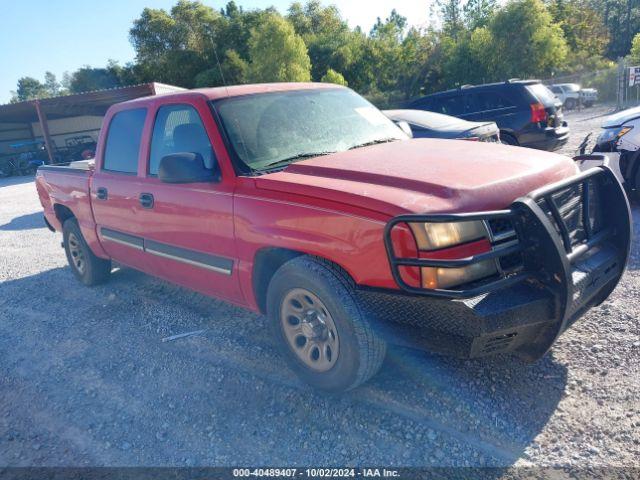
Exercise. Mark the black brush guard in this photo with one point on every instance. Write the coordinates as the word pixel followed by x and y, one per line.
pixel 578 275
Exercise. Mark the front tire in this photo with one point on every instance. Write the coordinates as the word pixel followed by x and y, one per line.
pixel 570 104
pixel 86 267
pixel 321 331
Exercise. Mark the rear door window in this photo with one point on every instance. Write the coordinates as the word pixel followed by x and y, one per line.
pixel 424 104
pixel 178 129
pixel 450 105
pixel 123 141
pixel 491 100
pixel 542 94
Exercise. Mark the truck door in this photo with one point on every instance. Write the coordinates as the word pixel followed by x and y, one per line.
pixel 188 228
pixel 115 185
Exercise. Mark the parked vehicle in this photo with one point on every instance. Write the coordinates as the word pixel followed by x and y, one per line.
pixel 80 147
pixel 425 124
pixel 304 202
pixel 568 94
pixel 620 140
pixel 526 112
pixel 588 96
pixel 572 95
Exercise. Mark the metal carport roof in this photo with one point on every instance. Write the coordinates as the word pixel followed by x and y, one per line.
pixel 86 103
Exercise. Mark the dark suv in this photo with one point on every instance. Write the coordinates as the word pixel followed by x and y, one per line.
pixel 526 111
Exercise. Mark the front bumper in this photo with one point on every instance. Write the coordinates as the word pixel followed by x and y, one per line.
pixel 526 310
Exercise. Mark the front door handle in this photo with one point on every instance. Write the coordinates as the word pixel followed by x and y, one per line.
pixel 146 200
pixel 101 193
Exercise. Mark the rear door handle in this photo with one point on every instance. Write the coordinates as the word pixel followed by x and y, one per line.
pixel 101 193
pixel 146 200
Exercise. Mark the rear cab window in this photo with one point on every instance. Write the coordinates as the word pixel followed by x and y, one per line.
pixel 123 141
pixel 179 129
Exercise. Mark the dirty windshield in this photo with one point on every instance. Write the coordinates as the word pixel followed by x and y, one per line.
pixel 274 129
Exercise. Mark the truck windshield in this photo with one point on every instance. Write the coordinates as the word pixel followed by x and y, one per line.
pixel 271 130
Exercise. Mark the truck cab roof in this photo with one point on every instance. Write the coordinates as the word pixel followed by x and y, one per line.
pixel 216 93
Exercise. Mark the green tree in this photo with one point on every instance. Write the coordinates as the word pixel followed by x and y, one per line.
pixel 87 79
pixel 634 54
pixel 583 29
pixel 175 47
pixel 334 77
pixel 29 88
pixel 452 17
pixel 528 43
pixel 277 53
pixel 330 41
pixel 478 13
pixel 51 84
pixel 622 20
pixel 234 72
pixel 471 59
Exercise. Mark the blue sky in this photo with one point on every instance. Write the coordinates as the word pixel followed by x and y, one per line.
pixel 62 35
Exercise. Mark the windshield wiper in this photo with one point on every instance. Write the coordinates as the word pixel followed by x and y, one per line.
pixel 293 158
pixel 374 142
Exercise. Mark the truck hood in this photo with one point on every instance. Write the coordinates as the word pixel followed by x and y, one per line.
pixel 621 118
pixel 422 176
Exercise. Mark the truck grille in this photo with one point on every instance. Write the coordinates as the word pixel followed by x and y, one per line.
pixel 504 234
pixel 575 212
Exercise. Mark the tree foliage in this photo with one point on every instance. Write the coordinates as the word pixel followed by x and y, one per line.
pixel 622 20
pixel 277 52
pixel 536 50
pixel 334 77
pixel 634 54
pixel 473 41
pixel 29 88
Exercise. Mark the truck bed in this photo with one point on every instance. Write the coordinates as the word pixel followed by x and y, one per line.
pixel 64 189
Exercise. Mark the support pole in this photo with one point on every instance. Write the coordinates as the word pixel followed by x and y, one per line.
pixel 44 126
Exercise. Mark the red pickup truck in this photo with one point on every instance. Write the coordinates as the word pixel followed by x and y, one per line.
pixel 304 202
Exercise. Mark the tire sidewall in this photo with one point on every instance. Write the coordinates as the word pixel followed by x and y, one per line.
pixel 510 139
pixel 71 226
pixel 342 307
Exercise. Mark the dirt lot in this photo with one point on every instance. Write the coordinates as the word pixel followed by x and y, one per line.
pixel 85 378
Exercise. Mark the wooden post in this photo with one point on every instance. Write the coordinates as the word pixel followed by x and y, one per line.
pixel 44 126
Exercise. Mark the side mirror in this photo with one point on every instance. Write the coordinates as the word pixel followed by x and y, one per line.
pixel 185 167
pixel 405 127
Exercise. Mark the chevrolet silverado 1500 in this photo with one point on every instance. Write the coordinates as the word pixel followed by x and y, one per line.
pixel 304 202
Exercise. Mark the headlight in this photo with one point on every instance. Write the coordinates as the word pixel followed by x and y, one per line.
pixel 613 134
pixel 437 236
pixel 433 236
pixel 449 277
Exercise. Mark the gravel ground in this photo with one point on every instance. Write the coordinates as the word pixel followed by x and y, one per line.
pixel 86 380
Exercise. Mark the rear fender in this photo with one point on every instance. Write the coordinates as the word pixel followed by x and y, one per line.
pixel 64 194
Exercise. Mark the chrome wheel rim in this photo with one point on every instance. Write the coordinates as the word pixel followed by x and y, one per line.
pixel 77 255
pixel 310 330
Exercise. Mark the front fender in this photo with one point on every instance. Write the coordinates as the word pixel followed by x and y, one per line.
pixel 353 242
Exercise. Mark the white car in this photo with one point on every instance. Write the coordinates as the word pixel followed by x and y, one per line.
pixel 620 141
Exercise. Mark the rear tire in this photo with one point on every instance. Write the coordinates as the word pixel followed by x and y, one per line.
pixel 322 333
pixel 508 139
pixel 86 267
pixel 570 103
